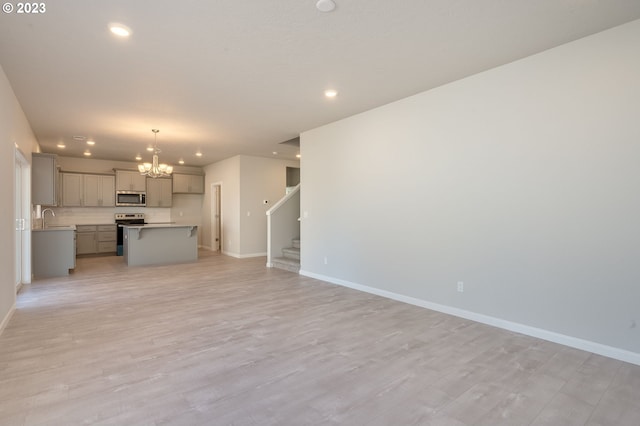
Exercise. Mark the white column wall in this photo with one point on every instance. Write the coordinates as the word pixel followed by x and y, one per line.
pixel 523 182
pixel 226 172
pixel 14 130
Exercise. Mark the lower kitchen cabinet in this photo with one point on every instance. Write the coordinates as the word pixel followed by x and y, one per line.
pixel 86 239
pixel 93 239
pixel 107 235
pixel 52 254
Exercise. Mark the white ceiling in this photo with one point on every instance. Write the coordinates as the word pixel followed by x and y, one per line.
pixel 241 76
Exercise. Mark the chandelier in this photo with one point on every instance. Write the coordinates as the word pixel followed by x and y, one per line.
pixel 154 169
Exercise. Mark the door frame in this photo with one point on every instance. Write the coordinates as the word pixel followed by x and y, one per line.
pixel 22 205
pixel 216 216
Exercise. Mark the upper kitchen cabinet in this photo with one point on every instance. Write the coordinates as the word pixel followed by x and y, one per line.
pixel 84 190
pixel 159 192
pixel 99 191
pixel 127 180
pixel 44 179
pixel 188 184
pixel 72 189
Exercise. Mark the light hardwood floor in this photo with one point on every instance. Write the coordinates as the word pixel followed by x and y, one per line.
pixel 230 342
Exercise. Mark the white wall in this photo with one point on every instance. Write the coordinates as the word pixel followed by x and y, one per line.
pixel 246 182
pixel 14 130
pixel 227 173
pixel 522 182
pixel 260 179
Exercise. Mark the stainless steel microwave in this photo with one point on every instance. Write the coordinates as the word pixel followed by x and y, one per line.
pixel 131 198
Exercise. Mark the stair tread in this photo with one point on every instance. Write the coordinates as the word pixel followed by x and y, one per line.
pixel 286 260
pixel 291 265
pixel 291 253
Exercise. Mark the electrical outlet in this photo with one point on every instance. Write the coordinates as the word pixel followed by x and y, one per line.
pixel 460 286
pixel 326 261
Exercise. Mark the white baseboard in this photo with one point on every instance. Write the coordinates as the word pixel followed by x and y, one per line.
pixel 574 342
pixel 244 256
pixel 7 318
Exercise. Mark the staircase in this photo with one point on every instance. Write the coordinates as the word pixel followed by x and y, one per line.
pixel 290 260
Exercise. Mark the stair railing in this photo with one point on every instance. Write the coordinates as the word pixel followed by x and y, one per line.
pixel 283 223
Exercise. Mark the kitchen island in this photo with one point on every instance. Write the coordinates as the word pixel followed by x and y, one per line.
pixel 156 244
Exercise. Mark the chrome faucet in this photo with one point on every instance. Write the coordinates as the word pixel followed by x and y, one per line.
pixel 43 214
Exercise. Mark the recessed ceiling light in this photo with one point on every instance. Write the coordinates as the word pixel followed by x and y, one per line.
pixel 61 145
pixel 325 5
pixel 138 157
pixel 181 161
pixel 275 152
pixel 91 142
pixel 150 148
pixel 330 93
pixel 87 153
pixel 198 154
pixel 120 30
pixel 297 155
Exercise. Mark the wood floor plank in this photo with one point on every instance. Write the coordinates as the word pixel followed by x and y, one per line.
pixel 227 341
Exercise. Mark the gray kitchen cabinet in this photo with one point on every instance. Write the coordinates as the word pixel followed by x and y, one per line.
pixel 127 180
pixel 53 252
pixel 99 191
pixel 107 235
pixel 88 190
pixel 44 173
pixel 86 239
pixel 159 192
pixel 92 239
pixel 188 184
pixel 72 184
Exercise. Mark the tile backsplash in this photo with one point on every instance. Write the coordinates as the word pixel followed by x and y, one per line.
pixel 99 215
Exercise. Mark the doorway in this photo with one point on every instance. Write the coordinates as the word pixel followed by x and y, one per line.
pixel 21 201
pixel 216 216
pixel 293 178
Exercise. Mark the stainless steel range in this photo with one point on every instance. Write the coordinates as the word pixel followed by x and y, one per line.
pixel 126 219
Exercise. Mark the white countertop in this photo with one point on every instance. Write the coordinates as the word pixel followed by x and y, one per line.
pixel 56 228
pixel 161 225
